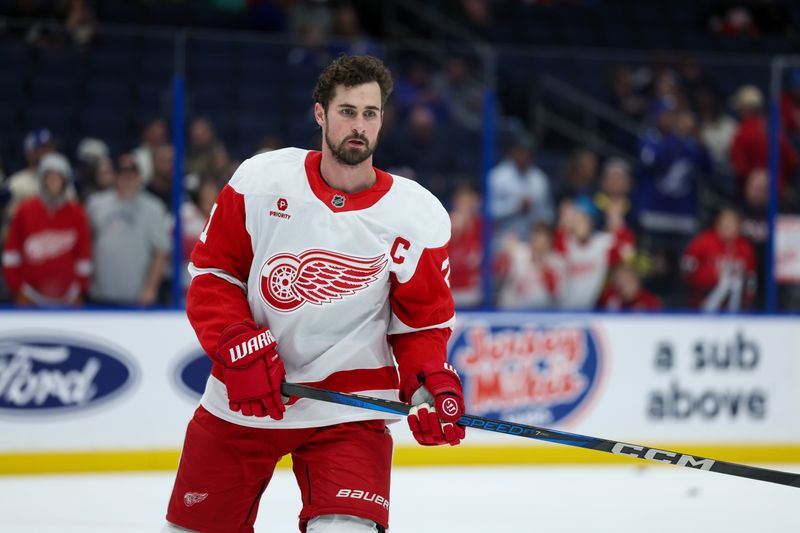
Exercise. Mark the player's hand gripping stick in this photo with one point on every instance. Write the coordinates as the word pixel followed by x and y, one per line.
pixel 253 370
pixel 437 404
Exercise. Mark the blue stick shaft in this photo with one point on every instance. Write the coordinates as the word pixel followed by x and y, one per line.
pixel 557 437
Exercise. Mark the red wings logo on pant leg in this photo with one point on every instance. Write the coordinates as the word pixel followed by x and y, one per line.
pixel 315 276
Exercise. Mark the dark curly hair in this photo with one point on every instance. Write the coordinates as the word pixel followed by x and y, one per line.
pixel 351 71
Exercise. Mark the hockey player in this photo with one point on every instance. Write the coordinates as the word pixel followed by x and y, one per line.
pixel 317 268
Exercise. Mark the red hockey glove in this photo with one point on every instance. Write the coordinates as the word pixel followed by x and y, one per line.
pixel 435 392
pixel 253 370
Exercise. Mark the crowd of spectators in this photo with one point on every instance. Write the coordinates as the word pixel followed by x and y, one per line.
pixel 682 224
pixel 655 230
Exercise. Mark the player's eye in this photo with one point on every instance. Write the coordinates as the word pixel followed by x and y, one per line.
pixel 370 114
pixel 347 111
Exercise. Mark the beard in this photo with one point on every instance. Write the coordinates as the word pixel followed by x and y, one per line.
pixel 350 155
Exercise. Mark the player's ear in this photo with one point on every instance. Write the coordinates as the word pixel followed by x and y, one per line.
pixel 319 114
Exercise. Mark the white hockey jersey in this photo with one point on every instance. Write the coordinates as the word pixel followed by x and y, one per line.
pixel 347 283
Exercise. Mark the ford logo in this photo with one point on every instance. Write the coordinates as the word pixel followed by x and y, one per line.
pixel 191 373
pixel 52 372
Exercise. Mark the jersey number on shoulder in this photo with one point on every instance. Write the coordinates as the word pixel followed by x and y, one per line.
pixel 204 235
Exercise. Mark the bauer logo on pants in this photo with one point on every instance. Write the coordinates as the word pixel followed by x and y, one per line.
pixel 48 373
pixel 540 375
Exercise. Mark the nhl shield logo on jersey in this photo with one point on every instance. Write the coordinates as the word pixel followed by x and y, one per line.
pixel 337 201
pixel 316 276
pixel 533 375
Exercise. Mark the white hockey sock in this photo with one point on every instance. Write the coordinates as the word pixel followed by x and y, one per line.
pixel 340 523
pixel 172 528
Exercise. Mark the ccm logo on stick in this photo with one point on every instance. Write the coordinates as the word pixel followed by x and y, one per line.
pixel 363 495
pixel 662 456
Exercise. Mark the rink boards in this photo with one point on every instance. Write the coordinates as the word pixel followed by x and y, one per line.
pixel 93 391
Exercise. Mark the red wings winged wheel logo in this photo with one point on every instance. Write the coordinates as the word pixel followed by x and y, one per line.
pixel 316 276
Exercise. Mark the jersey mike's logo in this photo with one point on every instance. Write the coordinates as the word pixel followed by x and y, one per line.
pixel 41 374
pixel 540 375
pixel 316 276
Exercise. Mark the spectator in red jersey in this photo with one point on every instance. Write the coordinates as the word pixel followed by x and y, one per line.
pixel 589 254
pixel 466 247
pixel 535 273
pixel 720 266
pixel 625 292
pixel 750 148
pixel 47 256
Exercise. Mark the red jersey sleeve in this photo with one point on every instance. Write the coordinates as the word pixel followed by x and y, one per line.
pixel 422 307
pixel 700 273
pixel 220 266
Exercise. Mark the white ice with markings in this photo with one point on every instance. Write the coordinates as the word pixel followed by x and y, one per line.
pixel 624 499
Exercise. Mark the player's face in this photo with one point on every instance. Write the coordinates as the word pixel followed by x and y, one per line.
pixel 352 122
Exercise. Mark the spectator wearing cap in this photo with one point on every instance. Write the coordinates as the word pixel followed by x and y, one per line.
pixel 750 149
pixel 589 253
pixel 24 183
pixel 520 192
pixel 47 256
pixel 131 241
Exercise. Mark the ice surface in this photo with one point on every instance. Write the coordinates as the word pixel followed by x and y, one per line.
pixel 623 499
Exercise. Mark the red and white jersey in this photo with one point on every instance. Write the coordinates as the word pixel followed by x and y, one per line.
pixel 531 284
pixel 721 274
pixel 344 281
pixel 588 264
pixel 48 253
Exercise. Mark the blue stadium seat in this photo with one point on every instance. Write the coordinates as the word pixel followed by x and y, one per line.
pixel 113 63
pixel 259 68
pixel 256 126
pixel 67 62
pixel 105 93
pixel 203 96
pixel 104 123
pixel 154 97
pixel 8 119
pixel 54 88
pixel 58 118
pixel 15 58
pixel 12 89
pixel 254 95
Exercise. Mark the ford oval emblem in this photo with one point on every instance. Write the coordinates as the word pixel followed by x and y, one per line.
pixel 47 373
pixel 191 373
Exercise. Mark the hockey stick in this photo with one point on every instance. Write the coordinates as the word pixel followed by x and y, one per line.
pixel 551 435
